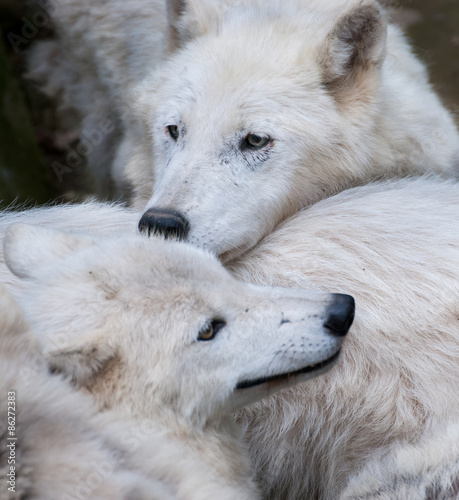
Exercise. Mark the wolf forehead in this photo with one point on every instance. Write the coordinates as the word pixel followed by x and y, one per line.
pixel 280 45
pixel 196 85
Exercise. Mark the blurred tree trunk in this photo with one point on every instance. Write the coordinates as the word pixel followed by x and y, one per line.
pixel 23 175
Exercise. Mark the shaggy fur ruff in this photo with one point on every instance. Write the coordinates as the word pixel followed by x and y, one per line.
pixel 394 246
pixel 428 469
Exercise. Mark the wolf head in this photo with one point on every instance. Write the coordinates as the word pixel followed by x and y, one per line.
pixel 261 108
pixel 154 326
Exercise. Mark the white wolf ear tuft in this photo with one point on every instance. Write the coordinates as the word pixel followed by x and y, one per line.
pixel 189 19
pixel 27 248
pixel 81 358
pixel 355 46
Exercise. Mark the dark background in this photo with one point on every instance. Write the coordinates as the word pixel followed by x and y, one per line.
pixel 31 136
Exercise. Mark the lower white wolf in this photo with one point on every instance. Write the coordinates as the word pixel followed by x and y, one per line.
pixel 236 140
pixel 163 333
pixel 395 246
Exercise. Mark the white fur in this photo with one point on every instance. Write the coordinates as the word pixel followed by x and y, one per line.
pixel 121 317
pixel 395 247
pixel 102 49
pixel 63 450
pixel 427 469
pixel 101 219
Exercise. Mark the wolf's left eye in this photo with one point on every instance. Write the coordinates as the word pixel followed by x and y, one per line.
pixel 254 141
pixel 211 330
pixel 173 131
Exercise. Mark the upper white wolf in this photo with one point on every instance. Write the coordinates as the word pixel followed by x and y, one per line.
pixel 162 332
pixel 393 245
pixel 260 107
pixel 429 469
pixel 267 106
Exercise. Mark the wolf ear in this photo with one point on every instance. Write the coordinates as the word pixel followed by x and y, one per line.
pixel 27 248
pixel 81 358
pixel 355 46
pixel 191 18
pixel 175 30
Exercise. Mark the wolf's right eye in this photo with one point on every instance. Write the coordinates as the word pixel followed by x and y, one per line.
pixel 254 141
pixel 210 331
pixel 173 131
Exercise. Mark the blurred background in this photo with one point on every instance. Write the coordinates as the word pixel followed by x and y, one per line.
pixel 33 136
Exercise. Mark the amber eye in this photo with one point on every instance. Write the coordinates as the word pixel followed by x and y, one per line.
pixel 254 141
pixel 210 331
pixel 173 131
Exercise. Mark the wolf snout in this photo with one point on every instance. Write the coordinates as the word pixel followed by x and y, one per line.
pixel 340 314
pixel 165 222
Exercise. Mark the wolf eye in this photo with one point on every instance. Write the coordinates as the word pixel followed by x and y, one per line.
pixel 254 141
pixel 211 330
pixel 173 131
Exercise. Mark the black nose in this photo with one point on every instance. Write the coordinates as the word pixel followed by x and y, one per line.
pixel 340 314
pixel 164 222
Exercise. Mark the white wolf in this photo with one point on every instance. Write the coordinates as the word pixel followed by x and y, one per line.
pixel 268 106
pixel 62 448
pixel 164 333
pixel 263 106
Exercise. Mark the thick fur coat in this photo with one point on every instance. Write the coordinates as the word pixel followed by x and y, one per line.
pixel 394 246
pixel 426 469
pixel 62 449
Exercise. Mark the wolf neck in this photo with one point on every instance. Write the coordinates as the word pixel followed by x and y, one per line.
pixel 409 135
pixel 219 445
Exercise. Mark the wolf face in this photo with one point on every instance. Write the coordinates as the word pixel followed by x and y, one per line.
pixel 265 107
pixel 164 325
pixel 245 121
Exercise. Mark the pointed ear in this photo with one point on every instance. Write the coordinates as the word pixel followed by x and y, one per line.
pixel 189 19
pixel 175 31
pixel 83 357
pixel 354 48
pixel 27 248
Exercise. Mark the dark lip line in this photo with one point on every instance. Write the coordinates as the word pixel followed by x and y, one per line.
pixel 308 369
